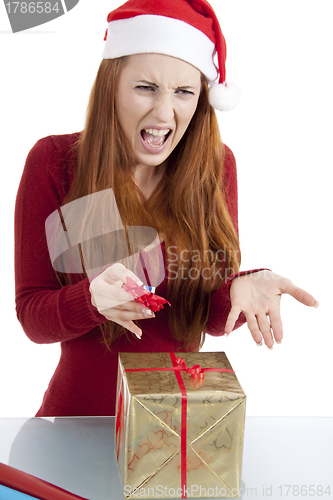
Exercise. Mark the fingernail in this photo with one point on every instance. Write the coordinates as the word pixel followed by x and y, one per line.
pixel 260 344
pixel 148 312
pixel 270 348
pixel 137 335
pixel 279 341
pixel 316 305
pixel 226 334
pixel 139 282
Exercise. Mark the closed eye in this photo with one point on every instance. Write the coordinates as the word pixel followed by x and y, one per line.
pixel 145 88
pixel 184 92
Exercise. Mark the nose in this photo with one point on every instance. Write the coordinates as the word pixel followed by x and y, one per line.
pixel 164 108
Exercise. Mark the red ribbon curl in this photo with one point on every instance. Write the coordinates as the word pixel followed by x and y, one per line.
pixel 140 294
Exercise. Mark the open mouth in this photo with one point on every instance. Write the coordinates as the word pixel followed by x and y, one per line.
pixel 155 138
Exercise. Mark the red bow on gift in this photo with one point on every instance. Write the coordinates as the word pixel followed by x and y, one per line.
pixel 146 298
pixel 195 371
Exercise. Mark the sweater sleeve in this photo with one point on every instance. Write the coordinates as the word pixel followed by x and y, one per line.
pixel 47 311
pixel 220 300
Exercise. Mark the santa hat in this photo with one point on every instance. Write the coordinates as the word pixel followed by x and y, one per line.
pixel 186 29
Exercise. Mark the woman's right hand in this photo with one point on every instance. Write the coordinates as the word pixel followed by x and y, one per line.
pixel 113 302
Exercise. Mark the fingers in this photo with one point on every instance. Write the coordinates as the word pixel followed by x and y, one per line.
pixel 129 325
pixel 269 326
pixel 276 324
pixel 266 327
pixel 258 325
pixel 107 296
pixel 119 314
pixel 298 293
pixel 231 320
pixel 118 272
pixel 253 326
pixel 126 318
pixel 263 327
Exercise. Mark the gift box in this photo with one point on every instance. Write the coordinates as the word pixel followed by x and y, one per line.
pixel 179 425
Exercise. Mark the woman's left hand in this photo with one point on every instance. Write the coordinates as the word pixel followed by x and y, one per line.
pixel 258 296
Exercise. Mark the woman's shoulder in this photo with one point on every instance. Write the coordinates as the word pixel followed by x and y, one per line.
pixel 229 173
pixel 54 152
pixel 55 145
pixel 229 157
pixel 52 160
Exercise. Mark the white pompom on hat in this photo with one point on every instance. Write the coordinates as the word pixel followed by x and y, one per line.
pixel 186 29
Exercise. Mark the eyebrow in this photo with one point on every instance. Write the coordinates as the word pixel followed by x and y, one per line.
pixel 151 84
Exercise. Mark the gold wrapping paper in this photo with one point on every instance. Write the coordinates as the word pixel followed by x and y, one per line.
pixel 148 428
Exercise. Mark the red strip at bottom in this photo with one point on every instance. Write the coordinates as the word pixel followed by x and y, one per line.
pixel 31 485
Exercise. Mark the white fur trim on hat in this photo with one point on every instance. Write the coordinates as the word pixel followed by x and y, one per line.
pixel 224 96
pixel 161 35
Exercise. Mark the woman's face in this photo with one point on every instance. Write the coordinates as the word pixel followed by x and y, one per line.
pixel 156 100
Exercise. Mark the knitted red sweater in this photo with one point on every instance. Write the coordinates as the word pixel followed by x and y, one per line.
pixel 84 382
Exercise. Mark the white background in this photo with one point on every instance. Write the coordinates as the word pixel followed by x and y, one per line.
pixel 280 54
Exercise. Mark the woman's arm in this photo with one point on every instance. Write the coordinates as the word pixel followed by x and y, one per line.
pixel 47 312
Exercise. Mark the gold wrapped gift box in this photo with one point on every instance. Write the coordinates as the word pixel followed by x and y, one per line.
pixel 179 434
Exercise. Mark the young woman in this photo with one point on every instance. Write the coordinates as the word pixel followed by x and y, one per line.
pixel 150 156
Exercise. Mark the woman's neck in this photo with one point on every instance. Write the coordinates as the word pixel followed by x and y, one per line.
pixel 148 177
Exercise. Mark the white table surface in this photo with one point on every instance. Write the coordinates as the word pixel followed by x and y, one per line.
pixel 281 455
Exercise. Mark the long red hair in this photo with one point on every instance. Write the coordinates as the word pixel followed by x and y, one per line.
pixel 192 212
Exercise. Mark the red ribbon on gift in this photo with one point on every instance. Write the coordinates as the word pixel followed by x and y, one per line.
pixel 179 365
pixel 146 298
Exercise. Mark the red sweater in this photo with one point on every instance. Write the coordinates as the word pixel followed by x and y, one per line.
pixel 84 382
